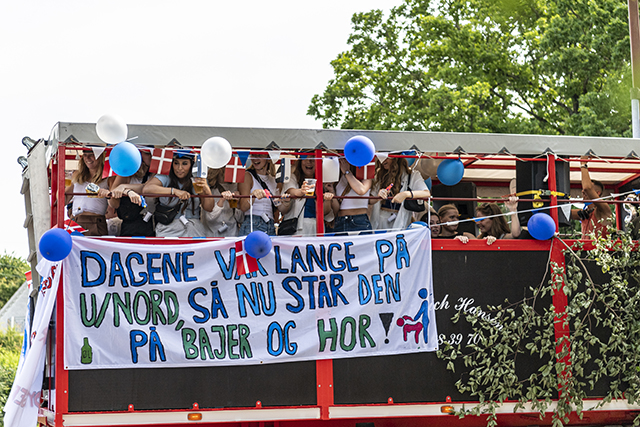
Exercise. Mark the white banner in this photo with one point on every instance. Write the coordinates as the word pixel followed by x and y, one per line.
pixel 132 305
pixel 22 405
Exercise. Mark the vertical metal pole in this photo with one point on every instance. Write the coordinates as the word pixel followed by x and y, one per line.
pixel 634 35
pixel 324 368
pixel 553 186
pixel 62 375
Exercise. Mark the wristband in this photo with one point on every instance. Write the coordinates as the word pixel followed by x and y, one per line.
pixel 172 191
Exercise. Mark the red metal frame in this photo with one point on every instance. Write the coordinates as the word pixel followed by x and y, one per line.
pixel 324 368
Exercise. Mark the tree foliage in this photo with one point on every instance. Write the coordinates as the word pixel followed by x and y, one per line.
pixel 505 66
pixel 12 271
pixel 10 342
pixel 598 356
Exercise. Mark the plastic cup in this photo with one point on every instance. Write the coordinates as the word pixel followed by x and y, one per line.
pixel 311 182
pixel 198 188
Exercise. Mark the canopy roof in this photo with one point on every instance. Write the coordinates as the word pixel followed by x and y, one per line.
pixel 491 155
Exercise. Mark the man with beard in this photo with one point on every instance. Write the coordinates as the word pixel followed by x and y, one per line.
pixel 130 208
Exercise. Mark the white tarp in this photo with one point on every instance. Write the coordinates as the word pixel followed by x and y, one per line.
pixel 131 305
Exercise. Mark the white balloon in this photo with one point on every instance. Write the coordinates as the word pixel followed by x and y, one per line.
pixel 330 169
pixel 111 129
pixel 216 152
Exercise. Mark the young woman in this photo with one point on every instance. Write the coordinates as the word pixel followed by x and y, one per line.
pixel 496 227
pixel 89 211
pixel 449 214
pixel 304 208
pixel 223 220
pixel 125 199
pixel 184 209
pixel 352 215
pixel 394 179
pixel 433 220
pixel 259 209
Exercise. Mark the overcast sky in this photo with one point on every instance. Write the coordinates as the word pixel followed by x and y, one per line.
pixel 205 63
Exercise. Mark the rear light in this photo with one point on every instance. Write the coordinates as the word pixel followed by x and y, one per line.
pixel 194 416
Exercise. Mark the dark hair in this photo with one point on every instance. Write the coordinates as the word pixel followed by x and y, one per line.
pixel 186 181
pixel 598 184
pixel 297 169
pixel 498 224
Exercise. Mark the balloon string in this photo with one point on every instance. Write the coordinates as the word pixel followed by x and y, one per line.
pixel 251 211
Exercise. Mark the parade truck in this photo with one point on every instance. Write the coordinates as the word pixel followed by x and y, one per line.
pixel 330 330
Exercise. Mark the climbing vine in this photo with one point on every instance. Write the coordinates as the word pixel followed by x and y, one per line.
pixel 597 353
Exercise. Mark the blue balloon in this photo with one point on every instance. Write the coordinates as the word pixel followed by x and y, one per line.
pixel 257 244
pixel 359 151
pixel 428 183
pixel 410 160
pixel 125 159
pixel 450 171
pixel 541 226
pixel 55 244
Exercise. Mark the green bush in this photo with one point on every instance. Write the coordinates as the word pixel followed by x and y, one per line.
pixel 10 344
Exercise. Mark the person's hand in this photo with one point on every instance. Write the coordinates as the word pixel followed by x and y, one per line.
pixel 306 188
pixel 285 198
pixel 258 194
pixel 103 192
pixel 204 184
pixel 134 197
pixel 463 239
pixel 226 195
pixel 117 192
pixel 399 198
pixel 327 196
pixel 182 195
pixel 491 239
pixel 512 204
pixel 383 193
pixel 344 165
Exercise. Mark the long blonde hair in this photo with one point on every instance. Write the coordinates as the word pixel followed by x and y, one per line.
pixel 384 177
pixel 83 174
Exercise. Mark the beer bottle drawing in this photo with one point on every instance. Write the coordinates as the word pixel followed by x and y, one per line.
pixel 87 352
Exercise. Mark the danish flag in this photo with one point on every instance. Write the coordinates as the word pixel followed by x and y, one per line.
pixel 106 170
pixel 161 160
pixel 29 281
pixel 234 171
pixel 367 171
pixel 70 226
pixel 245 263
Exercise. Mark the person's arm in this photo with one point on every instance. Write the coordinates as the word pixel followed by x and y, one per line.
pixel 603 210
pixel 512 205
pixel 420 194
pixel 245 189
pixel 206 202
pixel 154 186
pixel 360 187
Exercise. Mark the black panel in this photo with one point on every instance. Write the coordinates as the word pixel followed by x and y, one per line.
pixel 530 176
pixel 466 208
pixel 488 278
pixel 281 384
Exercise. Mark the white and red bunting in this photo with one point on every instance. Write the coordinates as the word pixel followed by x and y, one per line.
pixel 106 170
pixel 367 171
pixel 70 226
pixel 161 160
pixel 234 171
